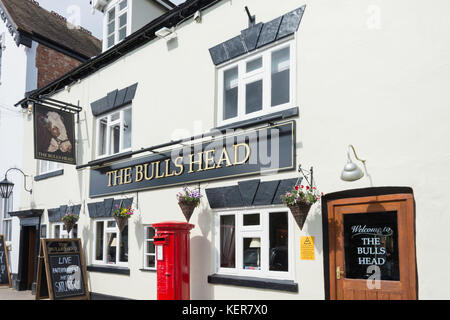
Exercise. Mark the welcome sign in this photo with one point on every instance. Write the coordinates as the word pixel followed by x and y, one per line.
pixel 270 149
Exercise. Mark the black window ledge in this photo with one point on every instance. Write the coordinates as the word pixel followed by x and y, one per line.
pixel 49 175
pixel 275 116
pixel 148 270
pixel 254 282
pixel 108 269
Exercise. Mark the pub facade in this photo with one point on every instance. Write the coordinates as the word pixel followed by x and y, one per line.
pixel 245 101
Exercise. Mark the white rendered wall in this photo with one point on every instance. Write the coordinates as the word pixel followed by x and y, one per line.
pixel 18 75
pixel 369 73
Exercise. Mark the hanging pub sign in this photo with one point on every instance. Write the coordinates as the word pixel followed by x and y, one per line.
pixel 54 135
pixel 269 149
pixel 371 245
pixel 5 276
pixel 61 272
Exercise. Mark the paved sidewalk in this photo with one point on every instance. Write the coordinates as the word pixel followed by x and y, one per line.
pixel 11 294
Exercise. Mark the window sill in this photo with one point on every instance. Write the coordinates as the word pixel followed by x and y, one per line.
pixel 254 282
pixel 147 270
pixel 49 175
pixel 274 116
pixel 108 269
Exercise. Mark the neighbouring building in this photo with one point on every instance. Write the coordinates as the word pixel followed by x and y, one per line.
pixel 36 47
pixel 232 97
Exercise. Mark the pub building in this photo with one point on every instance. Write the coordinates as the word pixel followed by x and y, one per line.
pixel 244 100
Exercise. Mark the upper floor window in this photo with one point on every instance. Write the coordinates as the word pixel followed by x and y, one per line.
pixel 256 243
pixel 45 166
pixel 2 45
pixel 114 132
pixel 257 85
pixel 116 23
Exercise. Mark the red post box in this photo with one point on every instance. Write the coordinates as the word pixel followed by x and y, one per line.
pixel 172 260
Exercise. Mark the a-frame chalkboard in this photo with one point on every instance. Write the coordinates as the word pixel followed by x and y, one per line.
pixel 5 276
pixel 61 273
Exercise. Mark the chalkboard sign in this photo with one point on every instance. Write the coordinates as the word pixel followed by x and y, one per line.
pixel 61 270
pixel 5 276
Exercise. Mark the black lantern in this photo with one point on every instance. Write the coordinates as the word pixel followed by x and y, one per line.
pixel 6 186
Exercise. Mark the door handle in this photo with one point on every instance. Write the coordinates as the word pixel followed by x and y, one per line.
pixel 168 274
pixel 339 272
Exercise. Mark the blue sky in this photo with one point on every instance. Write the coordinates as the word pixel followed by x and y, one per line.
pixel 80 12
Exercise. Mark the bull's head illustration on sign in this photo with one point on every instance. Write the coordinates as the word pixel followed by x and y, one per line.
pixel 54 135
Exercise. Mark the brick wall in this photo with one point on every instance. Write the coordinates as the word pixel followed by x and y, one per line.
pixel 52 64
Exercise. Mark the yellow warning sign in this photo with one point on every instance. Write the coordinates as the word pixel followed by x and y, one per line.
pixel 307 248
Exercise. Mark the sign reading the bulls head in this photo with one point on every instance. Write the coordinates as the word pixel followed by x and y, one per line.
pixel 266 150
pixel 54 135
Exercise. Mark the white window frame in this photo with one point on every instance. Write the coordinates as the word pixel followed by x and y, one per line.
pixel 261 231
pixel 107 230
pixel 45 166
pixel 6 206
pixel 2 45
pixel 62 231
pixel 117 13
pixel 146 242
pixel 263 73
pixel 111 123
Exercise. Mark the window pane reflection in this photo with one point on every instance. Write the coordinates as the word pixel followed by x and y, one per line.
pixel 99 241
pixel 252 253
pixel 124 245
pixel 111 247
pixel 278 238
pixel 227 241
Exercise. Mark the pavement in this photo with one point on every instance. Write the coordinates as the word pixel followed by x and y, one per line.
pixel 11 294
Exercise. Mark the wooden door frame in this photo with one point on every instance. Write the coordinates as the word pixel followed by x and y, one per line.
pixel 368 195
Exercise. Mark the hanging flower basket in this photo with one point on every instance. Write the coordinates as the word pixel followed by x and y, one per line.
pixel 300 212
pixel 69 220
pixel 299 200
pixel 121 215
pixel 188 200
pixel 188 209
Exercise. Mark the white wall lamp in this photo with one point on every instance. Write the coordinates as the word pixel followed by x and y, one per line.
pixel 166 33
pixel 351 171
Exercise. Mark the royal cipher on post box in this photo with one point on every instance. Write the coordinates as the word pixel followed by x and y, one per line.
pixel 172 258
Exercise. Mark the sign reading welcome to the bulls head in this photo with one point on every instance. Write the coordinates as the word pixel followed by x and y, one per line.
pixel 54 135
pixel 231 155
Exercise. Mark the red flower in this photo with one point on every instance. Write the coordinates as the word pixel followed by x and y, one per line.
pixel 302 186
pixel 307 187
pixel 296 187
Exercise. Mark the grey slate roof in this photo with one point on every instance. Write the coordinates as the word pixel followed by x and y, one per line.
pixel 257 36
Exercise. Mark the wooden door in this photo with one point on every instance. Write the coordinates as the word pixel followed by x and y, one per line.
pixel 31 256
pixel 372 248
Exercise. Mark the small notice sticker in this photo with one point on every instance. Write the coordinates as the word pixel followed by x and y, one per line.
pixel 307 248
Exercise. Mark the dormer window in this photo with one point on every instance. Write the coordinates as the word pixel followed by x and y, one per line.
pixel 116 22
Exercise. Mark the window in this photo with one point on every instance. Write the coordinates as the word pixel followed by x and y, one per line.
pixel 6 206
pixel 254 243
pixel 257 85
pixel 111 245
pixel 2 43
pixel 149 248
pixel 114 133
pixel 45 166
pixel 116 23
pixel 59 231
